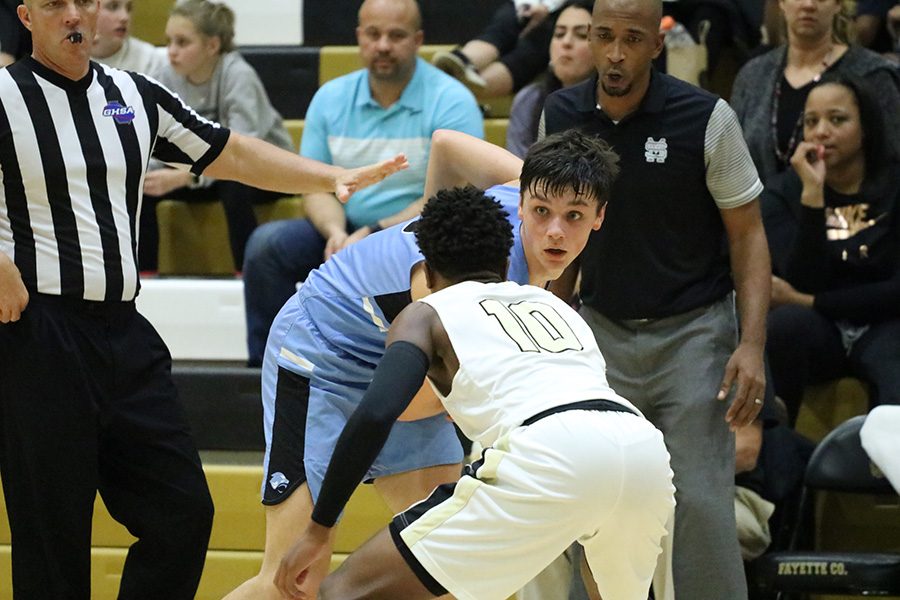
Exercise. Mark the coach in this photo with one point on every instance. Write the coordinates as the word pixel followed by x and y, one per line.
pixel 86 397
pixel 681 253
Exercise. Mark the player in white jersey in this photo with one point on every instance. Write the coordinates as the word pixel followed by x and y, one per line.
pixel 328 338
pixel 519 371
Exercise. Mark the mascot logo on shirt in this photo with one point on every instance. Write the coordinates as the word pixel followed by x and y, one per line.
pixel 656 151
pixel 120 114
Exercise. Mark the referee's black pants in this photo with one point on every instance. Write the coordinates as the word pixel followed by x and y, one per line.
pixel 87 404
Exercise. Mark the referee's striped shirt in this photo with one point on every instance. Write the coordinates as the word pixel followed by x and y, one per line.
pixel 73 155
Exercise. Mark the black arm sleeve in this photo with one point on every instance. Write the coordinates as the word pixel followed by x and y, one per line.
pixel 397 380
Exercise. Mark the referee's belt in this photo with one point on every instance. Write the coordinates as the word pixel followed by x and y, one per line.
pixel 606 405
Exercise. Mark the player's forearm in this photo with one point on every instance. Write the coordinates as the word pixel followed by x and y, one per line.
pixel 261 165
pixel 459 159
pixel 752 274
pixel 325 213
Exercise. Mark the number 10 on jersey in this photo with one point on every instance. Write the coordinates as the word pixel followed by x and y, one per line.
pixel 533 326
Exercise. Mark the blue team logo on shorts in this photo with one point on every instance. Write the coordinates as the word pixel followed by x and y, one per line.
pixel 121 114
pixel 279 482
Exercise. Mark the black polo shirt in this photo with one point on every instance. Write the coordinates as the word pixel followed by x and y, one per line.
pixel 662 249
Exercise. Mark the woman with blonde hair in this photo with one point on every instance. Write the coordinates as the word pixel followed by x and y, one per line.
pixel 770 90
pixel 211 77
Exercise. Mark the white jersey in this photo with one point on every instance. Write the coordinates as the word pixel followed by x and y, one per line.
pixel 521 351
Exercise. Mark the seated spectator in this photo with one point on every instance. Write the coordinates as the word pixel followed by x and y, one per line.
pixel 770 90
pixel 571 62
pixel 732 23
pixel 872 24
pixel 213 79
pixel 114 47
pixel 833 224
pixel 510 52
pixel 392 105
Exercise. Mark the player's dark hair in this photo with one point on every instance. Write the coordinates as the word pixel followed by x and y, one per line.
pixel 464 232
pixel 570 160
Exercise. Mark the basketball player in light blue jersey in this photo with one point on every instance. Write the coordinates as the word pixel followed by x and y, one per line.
pixel 326 341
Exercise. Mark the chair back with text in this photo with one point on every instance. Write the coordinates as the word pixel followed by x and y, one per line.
pixel 838 464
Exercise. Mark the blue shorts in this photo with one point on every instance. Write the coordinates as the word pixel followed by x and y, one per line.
pixel 310 388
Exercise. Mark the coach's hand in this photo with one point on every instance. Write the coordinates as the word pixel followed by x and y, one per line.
pixel 746 373
pixel 13 295
pixel 297 577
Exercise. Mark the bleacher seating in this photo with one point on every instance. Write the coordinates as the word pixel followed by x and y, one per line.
pixel 333 22
pixel 290 75
pixel 193 236
pixel 238 536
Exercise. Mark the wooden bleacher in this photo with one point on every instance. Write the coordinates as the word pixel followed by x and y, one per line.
pixel 333 22
pixel 238 536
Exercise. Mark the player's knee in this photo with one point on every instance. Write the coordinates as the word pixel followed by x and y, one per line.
pixel 331 589
pixel 341 585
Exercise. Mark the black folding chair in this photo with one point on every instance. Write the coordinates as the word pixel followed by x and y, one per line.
pixel 838 464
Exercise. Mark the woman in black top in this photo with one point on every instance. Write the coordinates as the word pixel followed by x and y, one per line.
pixel 834 235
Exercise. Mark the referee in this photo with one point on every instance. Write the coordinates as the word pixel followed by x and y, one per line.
pixel 86 397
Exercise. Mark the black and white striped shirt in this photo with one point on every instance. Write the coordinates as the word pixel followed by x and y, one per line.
pixel 72 160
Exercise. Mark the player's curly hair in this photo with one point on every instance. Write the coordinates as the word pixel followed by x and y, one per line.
pixel 571 160
pixel 462 232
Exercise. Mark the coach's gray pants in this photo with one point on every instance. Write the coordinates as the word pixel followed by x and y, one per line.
pixel 671 369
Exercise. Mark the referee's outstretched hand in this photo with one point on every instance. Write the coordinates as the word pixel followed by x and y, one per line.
pixel 13 295
pixel 354 180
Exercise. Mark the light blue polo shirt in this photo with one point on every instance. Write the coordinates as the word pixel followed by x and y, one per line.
pixel 345 126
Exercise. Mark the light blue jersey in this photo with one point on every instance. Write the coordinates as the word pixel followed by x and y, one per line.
pixel 354 297
pixel 332 333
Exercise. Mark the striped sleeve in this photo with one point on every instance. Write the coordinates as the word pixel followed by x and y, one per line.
pixel 184 139
pixel 730 173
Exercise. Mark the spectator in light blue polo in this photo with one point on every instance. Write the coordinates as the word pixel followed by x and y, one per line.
pixel 392 105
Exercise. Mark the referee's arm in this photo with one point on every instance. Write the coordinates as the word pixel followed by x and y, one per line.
pixel 13 295
pixel 259 164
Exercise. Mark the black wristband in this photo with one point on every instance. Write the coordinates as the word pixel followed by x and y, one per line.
pixel 399 376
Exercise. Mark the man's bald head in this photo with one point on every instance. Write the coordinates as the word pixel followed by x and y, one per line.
pixel 409 8
pixel 648 12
